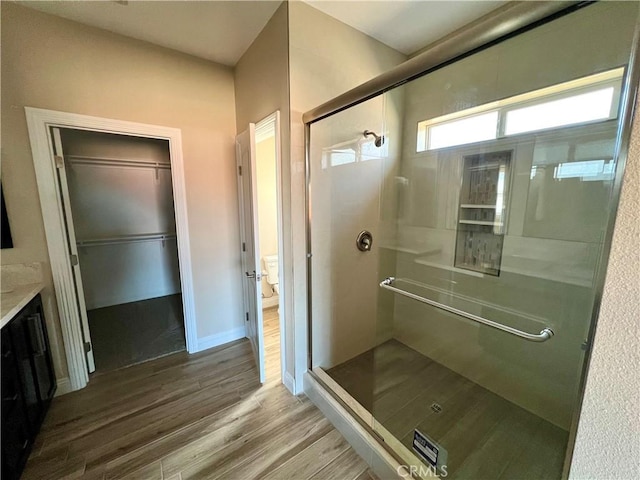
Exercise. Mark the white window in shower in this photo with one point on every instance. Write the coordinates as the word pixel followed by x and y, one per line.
pixel 369 151
pixel 594 98
pixel 587 171
pixel 339 156
pixel 352 151
pixel 465 130
pixel 569 110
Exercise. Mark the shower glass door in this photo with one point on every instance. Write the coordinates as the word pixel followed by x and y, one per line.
pixel 347 170
pixel 460 335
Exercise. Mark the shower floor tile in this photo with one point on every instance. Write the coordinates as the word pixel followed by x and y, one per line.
pixel 485 435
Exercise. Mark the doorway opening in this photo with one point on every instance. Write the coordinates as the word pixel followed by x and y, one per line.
pixel 269 240
pixel 260 202
pixel 119 210
pixel 63 254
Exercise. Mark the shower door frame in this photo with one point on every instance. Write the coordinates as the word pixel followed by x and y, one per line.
pixel 505 22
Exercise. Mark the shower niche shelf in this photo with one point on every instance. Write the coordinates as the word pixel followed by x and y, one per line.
pixel 484 197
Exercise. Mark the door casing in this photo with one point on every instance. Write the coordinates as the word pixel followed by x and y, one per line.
pixel 283 277
pixel 271 123
pixel 250 273
pixel 63 187
pixel 39 123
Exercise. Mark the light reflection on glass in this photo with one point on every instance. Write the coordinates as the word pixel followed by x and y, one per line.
pixel 581 108
pixel 591 170
pixel 499 220
pixel 466 130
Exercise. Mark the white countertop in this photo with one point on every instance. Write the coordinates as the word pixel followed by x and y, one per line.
pixel 12 302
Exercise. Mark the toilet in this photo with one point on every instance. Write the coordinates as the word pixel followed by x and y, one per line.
pixel 271 268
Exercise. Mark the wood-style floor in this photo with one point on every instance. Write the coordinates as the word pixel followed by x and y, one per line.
pixel 271 323
pixel 203 416
pixel 486 436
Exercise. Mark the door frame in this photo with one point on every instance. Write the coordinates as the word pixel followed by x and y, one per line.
pixel 39 122
pixel 250 247
pixel 63 186
pixel 283 279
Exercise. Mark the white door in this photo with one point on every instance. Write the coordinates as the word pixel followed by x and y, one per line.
pixel 250 246
pixel 73 248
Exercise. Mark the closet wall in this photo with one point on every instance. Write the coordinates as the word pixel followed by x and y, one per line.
pixel 122 203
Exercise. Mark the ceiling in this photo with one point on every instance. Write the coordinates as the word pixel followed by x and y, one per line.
pixel 406 25
pixel 221 31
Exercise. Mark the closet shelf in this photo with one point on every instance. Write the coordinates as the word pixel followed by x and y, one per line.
pixel 145 237
pixel 479 222
pixel 115 162
pixel 474 205
pixel 486 166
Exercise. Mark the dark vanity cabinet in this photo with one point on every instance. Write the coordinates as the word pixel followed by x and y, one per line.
pixel 28 385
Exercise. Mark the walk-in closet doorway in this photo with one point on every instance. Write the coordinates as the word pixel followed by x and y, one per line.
pixel 113 199
pixel 118 202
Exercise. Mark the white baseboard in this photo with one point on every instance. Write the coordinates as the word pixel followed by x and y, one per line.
pixel 64 386
pixel 220 339
pixel 381 462
pixel 273 301
pixel 289 382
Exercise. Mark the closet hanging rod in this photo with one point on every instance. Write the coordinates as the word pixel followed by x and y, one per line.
pixel 125 239
pixel 116 162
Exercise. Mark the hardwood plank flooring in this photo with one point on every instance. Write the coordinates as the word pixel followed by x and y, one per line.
pixel 203 416
pixel 486 436
pixel 272 343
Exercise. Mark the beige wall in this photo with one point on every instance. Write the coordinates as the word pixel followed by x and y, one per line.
pixel 262 87
pixel 51 63
pixel 261 74
pixel 608 439
pixel 321 70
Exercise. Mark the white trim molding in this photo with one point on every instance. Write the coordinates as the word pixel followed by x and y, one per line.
pixel 289 382
pixel 270 302
pixel 266 128
pixel 220 339
pixel 39 122
pixel 63 386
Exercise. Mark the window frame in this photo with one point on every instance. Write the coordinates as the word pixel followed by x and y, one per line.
pixel 591 83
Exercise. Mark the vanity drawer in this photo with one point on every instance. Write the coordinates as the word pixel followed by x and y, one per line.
pixel 16 430
pixel 11 395
pixel 9 373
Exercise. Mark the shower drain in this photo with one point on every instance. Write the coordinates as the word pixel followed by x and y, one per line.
pixel 436 407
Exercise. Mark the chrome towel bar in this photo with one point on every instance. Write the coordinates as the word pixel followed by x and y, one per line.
pixel 544 335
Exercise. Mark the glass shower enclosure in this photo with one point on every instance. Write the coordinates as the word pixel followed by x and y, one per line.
pixel 458 238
